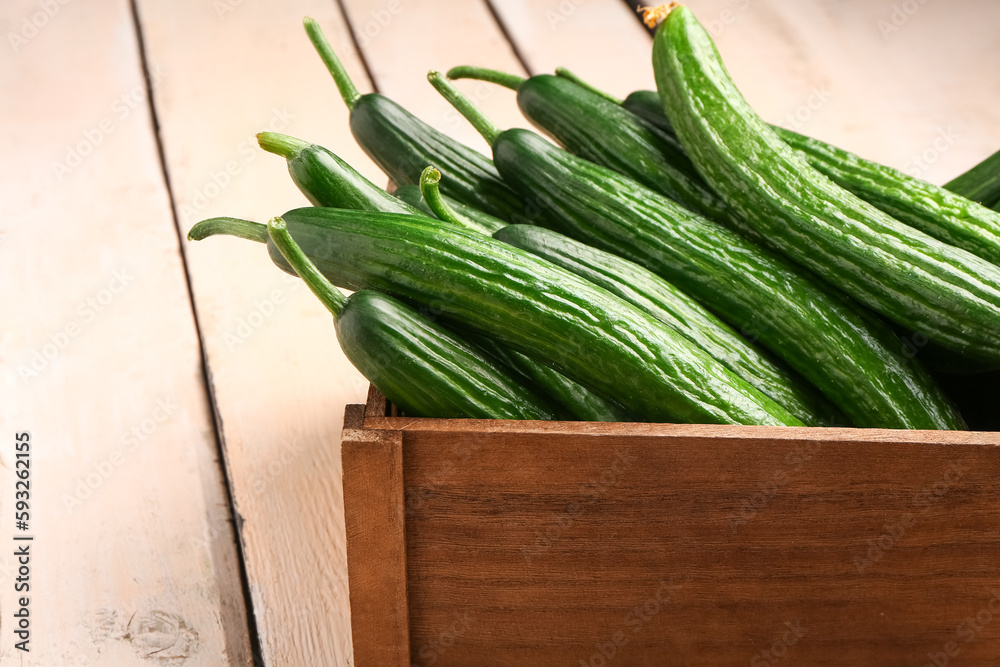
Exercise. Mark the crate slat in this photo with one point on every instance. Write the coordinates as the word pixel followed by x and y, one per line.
pixel 373 469
pixel 659 544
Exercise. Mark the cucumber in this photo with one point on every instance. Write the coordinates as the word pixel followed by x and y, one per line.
pixel 948 214
pixel 981 183
pixel 326 180
pixel 576 398
pixel 591 125
pixel 646 105
pixel 535 307
pixel 855 360
pixel 934 210
pixel 426 369
pixel 411 195
pixel 402 145
pixel 653 295
pixel 656 296
pixel 947 293
pixel 573 396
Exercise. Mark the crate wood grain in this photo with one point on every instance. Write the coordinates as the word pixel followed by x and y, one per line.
pixel 534 543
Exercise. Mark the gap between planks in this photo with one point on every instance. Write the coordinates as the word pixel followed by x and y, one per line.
pixel 254 637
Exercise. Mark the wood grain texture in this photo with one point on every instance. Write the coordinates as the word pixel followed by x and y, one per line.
pixel 278 376
pixel 134 560
pixel 373 472
pixel 599 40
pixel 698 545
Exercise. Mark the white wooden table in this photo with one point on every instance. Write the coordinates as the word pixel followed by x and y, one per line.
pixel 184 402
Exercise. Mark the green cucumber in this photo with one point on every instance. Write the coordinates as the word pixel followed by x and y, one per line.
pixel 326 180
pixel 948 214
pixel 646 105
pixel 934 210
pixel 592 126
pixel 402 145
pixel 533 306
pixel 946 293
pixel 572 396
pixel 981 183
pixel 853 359
pixel 411 195
pixel 418 365
pixel 651 293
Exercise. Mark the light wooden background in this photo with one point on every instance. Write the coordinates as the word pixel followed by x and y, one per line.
pixel 185 401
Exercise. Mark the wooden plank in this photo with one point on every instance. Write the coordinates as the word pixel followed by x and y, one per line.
pixel 279 380
pixel 134 558
pixel 764 539
pixel 402 41
pixel 374 507
pixel 599 40
pixel 912 88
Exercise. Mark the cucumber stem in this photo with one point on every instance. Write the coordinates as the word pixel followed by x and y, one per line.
pixel 564 73
pixel 244 229
pixel 429 179
pixel 330 296
pixel 281 144
pixel 651 16
pixel 504 79
pixel 464 106
pixel 348 91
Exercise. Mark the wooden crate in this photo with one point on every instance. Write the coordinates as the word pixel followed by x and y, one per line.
pixel 479 542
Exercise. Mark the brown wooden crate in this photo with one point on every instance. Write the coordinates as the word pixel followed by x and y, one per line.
pixel 545 543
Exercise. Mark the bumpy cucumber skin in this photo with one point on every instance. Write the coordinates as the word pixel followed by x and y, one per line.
pixel 573 397
pixel 933 210
pixel 601 131
pixel 855 360
pixel 944 213
pixel 612 136
pixel 403 145
pixel 947 293
pixel 576 401
pixel 327 180
pixel 535 307
pixel 426 370
pixel 981 183
pixel 411 195
pixel 651 293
